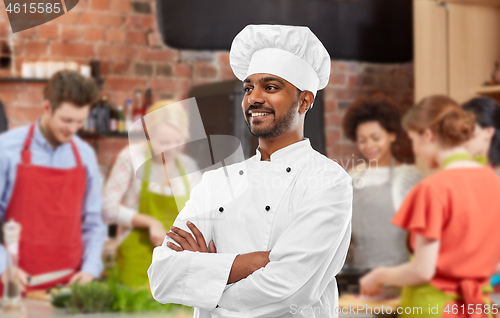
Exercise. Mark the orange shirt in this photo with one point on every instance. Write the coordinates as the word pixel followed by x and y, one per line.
pixel 461 208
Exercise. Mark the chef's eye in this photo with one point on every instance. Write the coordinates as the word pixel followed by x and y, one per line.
pixel 247 89
pixel 271 88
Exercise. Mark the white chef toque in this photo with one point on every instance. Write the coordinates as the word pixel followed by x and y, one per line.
pixel 293 53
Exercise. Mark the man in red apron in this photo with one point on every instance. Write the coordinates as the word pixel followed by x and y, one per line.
pixel 50 184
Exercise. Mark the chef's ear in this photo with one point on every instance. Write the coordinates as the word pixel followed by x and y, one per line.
pixel 306 99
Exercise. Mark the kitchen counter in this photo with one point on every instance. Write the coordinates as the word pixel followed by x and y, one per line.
pixel 351 300
pixel 43 309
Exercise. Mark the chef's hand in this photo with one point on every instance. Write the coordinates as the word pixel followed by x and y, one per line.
pixel 371 283
pixel 156 232
pixel 81 278
pixel 187 242
pixel 22 277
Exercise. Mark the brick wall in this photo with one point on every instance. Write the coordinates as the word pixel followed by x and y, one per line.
pixel 123 35
pixel 351 80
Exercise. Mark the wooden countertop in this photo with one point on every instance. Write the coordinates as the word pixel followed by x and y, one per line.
pixel 43 309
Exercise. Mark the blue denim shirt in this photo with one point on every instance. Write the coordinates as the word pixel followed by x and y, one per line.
pixel 43 154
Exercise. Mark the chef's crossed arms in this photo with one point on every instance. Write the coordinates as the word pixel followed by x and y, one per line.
pixel 243 265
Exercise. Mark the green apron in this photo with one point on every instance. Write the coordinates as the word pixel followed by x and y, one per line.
pixel 425 295
pixel 135 252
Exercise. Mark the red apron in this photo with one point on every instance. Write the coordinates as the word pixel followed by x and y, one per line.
pixel 48 202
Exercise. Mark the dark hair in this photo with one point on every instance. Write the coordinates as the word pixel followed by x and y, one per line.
pixel 72 87
pixel 487 112
pixel 443 116
pixel 379 108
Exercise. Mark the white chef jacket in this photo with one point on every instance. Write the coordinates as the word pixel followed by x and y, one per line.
pixel 298 205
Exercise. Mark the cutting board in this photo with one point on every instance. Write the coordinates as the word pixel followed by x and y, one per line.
pixel 38 295
pixel 363 305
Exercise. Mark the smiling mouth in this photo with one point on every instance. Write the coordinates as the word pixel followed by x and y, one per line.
pixel 259 114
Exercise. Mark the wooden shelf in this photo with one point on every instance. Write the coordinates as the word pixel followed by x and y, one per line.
pixel 21 79
pixel 99 80
pixel 99 135
pixel 488 90
pixel 475 2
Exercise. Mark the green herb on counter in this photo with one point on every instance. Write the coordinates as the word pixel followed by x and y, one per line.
pixel 90 298
pixel 60 297
pixel 108 296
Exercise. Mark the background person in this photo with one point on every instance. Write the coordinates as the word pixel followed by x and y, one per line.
pixel 380 184
pixel 485 141
pixel 145 209
pixel 456 206
pixel 50 184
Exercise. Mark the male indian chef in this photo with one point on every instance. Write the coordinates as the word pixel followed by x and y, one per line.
pixel 50 184
pixel 274 251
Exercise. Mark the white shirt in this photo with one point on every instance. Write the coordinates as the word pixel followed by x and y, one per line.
pixel 404 178
pixel 307 228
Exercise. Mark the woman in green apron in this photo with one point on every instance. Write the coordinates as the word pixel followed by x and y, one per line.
pixel 144 207
pixel 449 216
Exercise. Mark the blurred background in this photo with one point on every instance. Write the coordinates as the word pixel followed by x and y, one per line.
pixel 142 51
pixel 122 41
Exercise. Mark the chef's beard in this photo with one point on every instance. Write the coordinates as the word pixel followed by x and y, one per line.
pixel 278 126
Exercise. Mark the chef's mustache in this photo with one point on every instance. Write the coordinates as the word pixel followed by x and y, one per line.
pixel 253 107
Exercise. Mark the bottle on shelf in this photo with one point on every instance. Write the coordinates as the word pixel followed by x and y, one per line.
pixel 137 112
pixel 148 100
pixel 128 114
pixel 121 120
pixel 113 119
pixel 92 119
pixel 102 121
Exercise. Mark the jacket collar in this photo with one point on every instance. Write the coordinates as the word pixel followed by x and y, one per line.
pixel 291 152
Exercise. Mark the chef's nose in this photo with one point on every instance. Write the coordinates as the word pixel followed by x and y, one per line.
pixel 256 97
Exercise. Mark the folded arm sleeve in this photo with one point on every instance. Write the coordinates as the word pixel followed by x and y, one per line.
pixel 190 278
pixel 304 260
